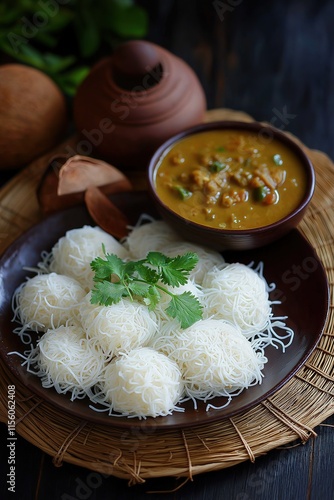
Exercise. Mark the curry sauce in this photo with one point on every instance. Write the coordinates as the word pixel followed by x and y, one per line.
pixel 230 179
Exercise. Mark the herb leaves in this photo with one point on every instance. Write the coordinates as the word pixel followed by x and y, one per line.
pixel 143 280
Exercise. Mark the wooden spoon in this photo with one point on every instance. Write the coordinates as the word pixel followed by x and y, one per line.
pixel 105 213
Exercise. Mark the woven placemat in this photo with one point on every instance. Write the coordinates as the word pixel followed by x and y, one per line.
pixel 291 413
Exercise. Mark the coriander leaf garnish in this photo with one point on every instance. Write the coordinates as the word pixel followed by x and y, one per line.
pixel 177 271
pixel 153 298
pixel 105 268
pixel 146 273
pixel 157 259
pixel 173 271
pixel 185 308
pixel 139 289
pixel 106 293
pixel 141 280
pixel 185 262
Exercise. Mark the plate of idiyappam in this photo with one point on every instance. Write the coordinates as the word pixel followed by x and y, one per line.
pixel 128 364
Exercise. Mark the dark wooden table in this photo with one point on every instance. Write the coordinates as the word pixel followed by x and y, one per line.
pixel 273 60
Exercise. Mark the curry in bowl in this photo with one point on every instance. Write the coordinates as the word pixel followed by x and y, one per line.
pixel 230 179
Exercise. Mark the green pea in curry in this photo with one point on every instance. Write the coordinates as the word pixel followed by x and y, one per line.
pixel 230 179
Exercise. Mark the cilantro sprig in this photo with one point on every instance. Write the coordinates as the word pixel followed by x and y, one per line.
pixel 143 280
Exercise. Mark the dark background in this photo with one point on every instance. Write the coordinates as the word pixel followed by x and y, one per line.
pixel 258 57
pixel 273 60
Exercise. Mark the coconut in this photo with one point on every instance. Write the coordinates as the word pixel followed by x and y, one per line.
pixel 33 115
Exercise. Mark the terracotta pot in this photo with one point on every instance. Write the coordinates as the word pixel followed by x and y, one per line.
pixel 133 101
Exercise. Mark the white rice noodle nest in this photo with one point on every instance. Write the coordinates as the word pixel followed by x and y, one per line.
pixel 117 328
pixel 66 361
pixel 148 237
pixel 47 301
pixel 143 383
pixel 236 293
pixel 137 362
pixel 208 258
pixel 214 357
pixel 74 252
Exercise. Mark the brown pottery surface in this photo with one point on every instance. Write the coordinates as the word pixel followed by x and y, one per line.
pixel 134 100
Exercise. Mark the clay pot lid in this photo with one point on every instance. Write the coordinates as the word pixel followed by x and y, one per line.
pixel 133 100
pixel 132 61
pixel 150 81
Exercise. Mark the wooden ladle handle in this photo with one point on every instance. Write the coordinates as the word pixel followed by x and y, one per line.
pixel 105 213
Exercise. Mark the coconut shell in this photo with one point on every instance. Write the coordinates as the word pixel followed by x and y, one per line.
pixel 33 115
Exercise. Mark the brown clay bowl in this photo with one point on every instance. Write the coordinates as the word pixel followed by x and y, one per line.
pixel 233 239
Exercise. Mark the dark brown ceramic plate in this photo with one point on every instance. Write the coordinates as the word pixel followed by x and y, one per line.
pixel 291 263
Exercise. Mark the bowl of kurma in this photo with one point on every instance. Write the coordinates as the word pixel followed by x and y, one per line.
pixel 231 185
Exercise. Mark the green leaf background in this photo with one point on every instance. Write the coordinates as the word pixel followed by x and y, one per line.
pixel 66 41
